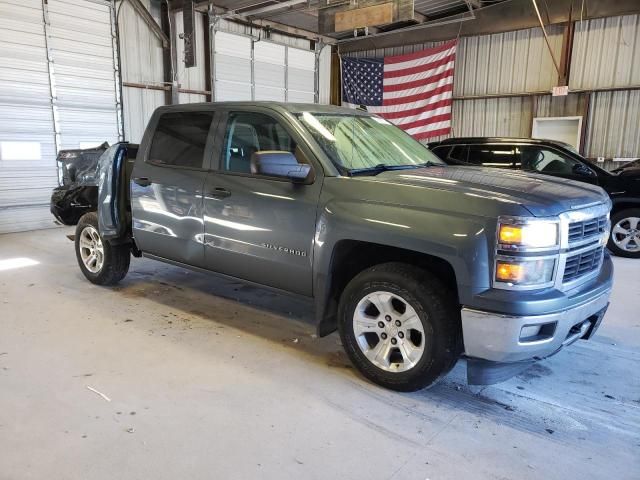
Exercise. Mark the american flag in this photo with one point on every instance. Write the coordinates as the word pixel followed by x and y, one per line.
pixel 413 91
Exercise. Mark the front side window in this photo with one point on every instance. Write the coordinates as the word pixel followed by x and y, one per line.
pixel 545 160
pixel 357 142
pixel 248 133
pixel 500 156
pixel 180 139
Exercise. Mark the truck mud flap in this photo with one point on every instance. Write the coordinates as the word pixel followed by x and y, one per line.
pixel 484 372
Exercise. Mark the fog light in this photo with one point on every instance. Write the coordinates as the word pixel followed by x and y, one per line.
pixel 529 332
pixel 525 272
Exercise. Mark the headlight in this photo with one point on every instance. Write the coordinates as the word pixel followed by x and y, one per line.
pixel 523 272
pixel 519 235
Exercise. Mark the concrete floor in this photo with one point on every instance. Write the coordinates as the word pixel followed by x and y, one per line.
pixel 212 379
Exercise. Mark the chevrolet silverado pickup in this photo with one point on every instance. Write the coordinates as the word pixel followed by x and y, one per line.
pixel 414 262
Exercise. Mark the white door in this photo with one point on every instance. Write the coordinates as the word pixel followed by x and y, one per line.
pixel 27 141
pixel 81 79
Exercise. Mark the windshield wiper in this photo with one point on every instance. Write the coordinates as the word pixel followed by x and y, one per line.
pixel 383 167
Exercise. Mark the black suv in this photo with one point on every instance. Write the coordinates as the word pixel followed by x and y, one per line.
pixel 558 159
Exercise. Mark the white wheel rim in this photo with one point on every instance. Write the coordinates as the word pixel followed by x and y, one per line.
pixel 626 234
pixel 388 331
pixel 91 249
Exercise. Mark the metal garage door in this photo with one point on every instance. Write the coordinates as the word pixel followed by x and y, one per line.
pixel 262 70
pixel 80 78
pixel 27 143
pixel 232 67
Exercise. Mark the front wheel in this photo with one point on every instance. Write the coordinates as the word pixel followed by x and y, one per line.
pixel 399 326
pixel 625 233
pixel 101 262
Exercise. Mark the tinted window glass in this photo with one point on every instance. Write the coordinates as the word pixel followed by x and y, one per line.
pixel 180 139
pixel 252 132
pixel 458 154
pixel 545 160
pixel 500 156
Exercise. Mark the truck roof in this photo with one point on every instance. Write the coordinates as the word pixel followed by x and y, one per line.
pixel 506 140
pixel 281 106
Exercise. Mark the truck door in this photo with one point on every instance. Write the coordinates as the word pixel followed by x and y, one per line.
pixel 260 228
pixel 166 186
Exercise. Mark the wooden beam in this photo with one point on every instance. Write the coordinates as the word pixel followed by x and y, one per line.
pixel 364 17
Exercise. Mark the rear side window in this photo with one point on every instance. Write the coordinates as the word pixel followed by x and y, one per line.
pixel 500 156
pixel 458 154
pixel 180 139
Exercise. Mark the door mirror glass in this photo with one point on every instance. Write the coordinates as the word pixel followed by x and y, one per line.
pixel 279 163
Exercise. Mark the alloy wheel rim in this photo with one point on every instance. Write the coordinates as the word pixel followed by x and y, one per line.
pixel 388 331
pixel 626 234
pixel 91 249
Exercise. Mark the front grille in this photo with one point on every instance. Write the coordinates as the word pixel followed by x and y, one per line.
pixel 586 229
pixel 582 264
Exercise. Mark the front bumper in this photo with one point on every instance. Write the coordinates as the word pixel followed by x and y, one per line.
pixel 502 338
pixel 512 337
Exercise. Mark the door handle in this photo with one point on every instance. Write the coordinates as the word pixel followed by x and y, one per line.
pixel 142 181
pixel 220 192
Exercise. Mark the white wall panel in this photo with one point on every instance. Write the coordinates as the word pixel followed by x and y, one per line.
pixel 141 58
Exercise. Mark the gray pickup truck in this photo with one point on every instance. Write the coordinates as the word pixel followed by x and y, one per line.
pixel 416 263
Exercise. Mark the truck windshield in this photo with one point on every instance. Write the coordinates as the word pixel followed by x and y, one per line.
pixel 362 144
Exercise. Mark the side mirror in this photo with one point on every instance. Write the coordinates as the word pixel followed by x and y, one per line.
pixel 580 169
pixel 281 164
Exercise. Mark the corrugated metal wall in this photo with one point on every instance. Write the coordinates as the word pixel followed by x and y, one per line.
pixel 511 62
pixel 493 117
pixel 141 59
pixel 614 125
pixel 606 54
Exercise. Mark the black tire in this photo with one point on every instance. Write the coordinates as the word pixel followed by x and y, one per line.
pixel 115 264
pixel 434 304
pixel 615 218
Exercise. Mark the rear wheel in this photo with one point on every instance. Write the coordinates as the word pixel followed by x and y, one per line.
pixel 400 326
pixel 625 233
pixel 101 262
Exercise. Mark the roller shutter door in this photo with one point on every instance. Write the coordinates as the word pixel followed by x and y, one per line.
pixel 232 67
pixel 27 141
pixel 82 79
pixel 262 70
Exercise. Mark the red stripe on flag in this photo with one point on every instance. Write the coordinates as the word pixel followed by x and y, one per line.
pixel 426 121
pixel 419 68
pixel 417 111
pixel 418 83
pixel 419 96
pixel 432 133
pixel 420 54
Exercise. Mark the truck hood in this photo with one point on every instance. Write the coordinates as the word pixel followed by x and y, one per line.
pixel 542 195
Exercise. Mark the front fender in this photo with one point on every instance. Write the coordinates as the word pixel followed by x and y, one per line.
pixel 462 241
